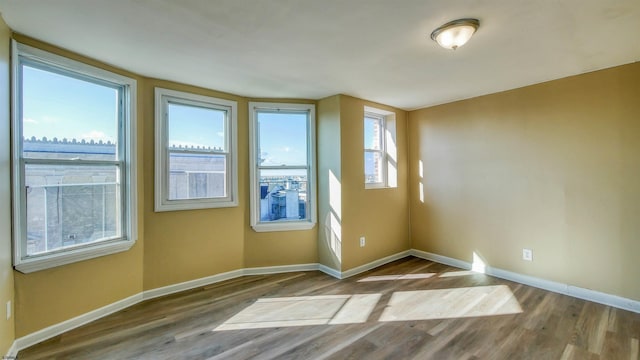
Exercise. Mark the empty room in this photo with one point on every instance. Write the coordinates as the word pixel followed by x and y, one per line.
pixel 319 179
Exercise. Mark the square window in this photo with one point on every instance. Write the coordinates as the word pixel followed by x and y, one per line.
pixel 196 164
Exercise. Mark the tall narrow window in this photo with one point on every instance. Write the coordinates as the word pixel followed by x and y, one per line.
pixel 74 184
pixel 380 156
pixel 374 149
pixel 282 166
pixel 196 162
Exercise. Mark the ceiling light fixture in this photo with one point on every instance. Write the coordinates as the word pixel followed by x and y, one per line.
pixel 455 33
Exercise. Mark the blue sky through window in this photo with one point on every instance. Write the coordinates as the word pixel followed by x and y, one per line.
pixel 63 107
pixel 196 126
pixel 58 106
pixel 283 138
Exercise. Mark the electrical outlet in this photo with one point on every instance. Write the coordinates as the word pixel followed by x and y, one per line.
pixel 362 241
pixel 8 309
pixel 527 254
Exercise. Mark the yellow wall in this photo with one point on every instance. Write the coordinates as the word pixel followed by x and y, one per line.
pixel 178 246
pixel 6 271
pixel 190 244
pixel 329 183
pixel 553 167
pixel 279 247
pixel 380 215
pixel 54 295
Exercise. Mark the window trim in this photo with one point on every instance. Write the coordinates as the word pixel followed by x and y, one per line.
pixel 382 151
pixel 290 225
pixel 162 202
pixel 388 129
pixel 21 261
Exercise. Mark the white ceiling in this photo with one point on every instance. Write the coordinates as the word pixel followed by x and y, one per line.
pixel 378 50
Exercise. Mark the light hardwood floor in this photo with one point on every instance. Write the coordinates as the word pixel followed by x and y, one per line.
pixel 408 309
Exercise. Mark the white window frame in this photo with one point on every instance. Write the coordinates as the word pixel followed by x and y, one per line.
pixel 306 224
pixel 387 153
pixel 126 163
pixel 162 99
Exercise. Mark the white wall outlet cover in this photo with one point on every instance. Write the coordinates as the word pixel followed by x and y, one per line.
pixel 527 254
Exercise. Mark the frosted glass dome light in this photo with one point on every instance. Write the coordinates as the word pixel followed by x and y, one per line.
pixel 455 33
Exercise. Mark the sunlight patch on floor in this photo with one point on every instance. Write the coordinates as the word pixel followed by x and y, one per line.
pixel 457 273
pixel 303 311
pixel 451 303
pixel 397 277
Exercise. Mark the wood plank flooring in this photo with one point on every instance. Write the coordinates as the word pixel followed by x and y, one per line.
pixel 408 309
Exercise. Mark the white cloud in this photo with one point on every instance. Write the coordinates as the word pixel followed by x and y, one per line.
pixel 220 134
pixel 96 136
pixel 30 121
pixel 49 119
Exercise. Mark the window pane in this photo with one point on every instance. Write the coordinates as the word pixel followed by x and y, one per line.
pixel 196 176
pixel 372 167
pixel 66 118
pixel 282 138
pixel 196 127
pixel 71 205
pixel 372 134
pixel 283 195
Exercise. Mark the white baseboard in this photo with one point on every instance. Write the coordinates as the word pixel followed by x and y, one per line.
pixel 12 353
pixel 57 329
pixel 561 288
pixel 330 271
pixel 192 284
pixel 279 269
pixel 374 264
pixel 441 259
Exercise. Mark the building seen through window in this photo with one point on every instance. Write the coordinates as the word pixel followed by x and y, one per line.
pixel 73 177
pixel 282 166
pixel 196 160
pixel 69 205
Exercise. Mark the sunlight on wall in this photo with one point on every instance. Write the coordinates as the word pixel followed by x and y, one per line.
pixel 451 303
pixel 420 184
pixel 335 236
pixel 392 152
pixel 335 195
pixel 390 138
pixel 333 221
pixel 478 264
pixel 392 174
pixel 303 311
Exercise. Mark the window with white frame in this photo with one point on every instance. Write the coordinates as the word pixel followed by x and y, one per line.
pixel 283 189
pixel 73 160
pixel 380 155
pixel 196 162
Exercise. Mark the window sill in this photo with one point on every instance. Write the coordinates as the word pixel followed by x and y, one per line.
pixel 177 205
pixel 283 226
pixel 378 186
pixel 34 264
